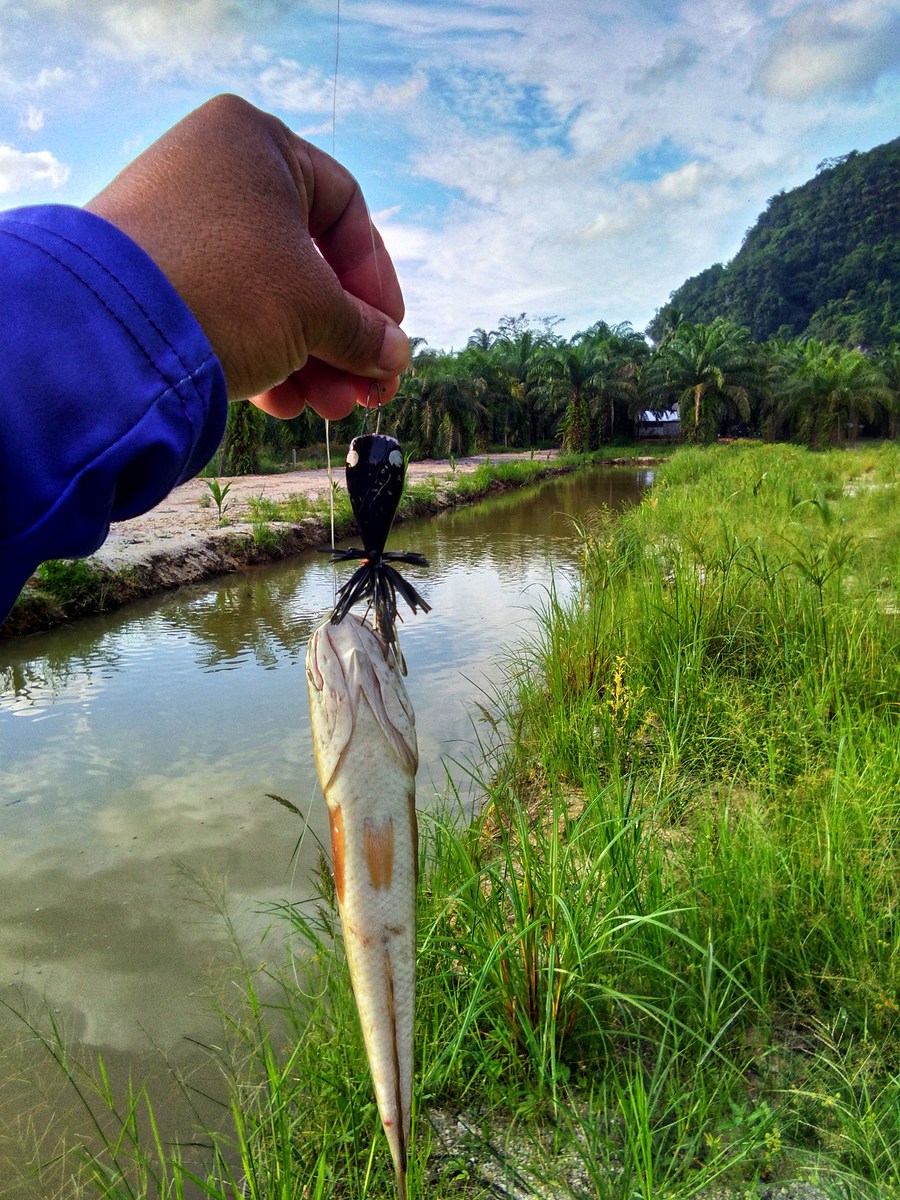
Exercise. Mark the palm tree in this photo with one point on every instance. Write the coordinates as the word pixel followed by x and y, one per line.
pixel 830 389
pixel 778 360
pixel 240 450
pixel 619 355
pixel 437 406
pixel 517 356
pixel 889 362
pixel 566 377
pixel 710 371
pixel 480 363
pixel 482 340
pixel 420 355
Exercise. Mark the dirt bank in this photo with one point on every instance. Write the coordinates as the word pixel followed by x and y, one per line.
pixel 181 541
pixel 176 526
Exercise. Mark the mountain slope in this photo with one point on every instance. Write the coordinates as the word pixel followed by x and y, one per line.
pixel 822 260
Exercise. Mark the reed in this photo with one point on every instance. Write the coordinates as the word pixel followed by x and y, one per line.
pixel 664 959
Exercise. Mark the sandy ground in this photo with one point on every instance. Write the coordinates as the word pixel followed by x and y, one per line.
pixel 176 524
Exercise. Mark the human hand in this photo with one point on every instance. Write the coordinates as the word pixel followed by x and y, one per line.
pixel 269 242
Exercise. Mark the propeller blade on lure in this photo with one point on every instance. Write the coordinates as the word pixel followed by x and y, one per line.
pixel 364 736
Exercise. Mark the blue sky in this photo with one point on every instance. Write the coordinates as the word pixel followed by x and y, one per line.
pixel 570 158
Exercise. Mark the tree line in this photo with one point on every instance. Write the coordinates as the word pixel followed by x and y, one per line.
pixel 524 385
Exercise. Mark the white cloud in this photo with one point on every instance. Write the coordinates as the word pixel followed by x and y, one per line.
pixel 33 120
pixel 685 182
pixel 166 37
pixel 606 225
pixel 15 84
pixel 585 158
pixel 21 170
pixel 173 34
pixel 292 88
pixel 134 145
pixel 48 78
pixel 823 48
pixel 677 57
pixel 423 22
pixel 565 225
pixel 404 95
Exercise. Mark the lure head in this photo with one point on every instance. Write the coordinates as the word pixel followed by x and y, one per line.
pixel 376 470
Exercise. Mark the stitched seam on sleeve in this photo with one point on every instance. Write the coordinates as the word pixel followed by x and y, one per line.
pixel 187 377
pixel 75 480
pixel 111 274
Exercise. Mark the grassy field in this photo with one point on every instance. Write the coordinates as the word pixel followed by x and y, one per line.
pixel 665 960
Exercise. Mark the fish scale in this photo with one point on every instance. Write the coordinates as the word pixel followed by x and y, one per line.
pixel 364 739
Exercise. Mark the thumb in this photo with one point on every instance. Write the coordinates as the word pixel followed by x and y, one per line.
pixel 357 338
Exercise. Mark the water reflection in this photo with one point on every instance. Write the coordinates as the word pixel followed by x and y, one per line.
pixel 141 745
pixel 250 619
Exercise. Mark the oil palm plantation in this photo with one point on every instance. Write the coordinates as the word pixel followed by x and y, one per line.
pixel 239 453
pixel 619 354
pixel 517 357
pixel 593 380
pixel 889 362
pixel 566 378
pixel 830 390
pixel 710 371
pixel 438 405
pixel 480 363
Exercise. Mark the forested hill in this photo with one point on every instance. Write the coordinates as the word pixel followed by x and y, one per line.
pixel 823 260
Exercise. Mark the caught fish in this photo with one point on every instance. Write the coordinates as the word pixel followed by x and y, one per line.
pixel 376 471
pixel 364 736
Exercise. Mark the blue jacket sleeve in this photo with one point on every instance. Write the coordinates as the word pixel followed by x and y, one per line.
pixel 110 393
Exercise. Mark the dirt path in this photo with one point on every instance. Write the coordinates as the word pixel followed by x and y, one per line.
pixel 183 518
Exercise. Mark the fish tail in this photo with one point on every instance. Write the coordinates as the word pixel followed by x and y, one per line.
pixel 401 1151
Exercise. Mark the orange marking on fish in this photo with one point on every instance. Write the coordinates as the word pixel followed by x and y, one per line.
pixel 378 847
pixel 336 819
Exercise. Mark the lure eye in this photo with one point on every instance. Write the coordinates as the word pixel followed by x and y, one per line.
pixel 352 457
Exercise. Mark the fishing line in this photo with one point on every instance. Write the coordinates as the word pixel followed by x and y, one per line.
pixel 375 385
pixel 330 477
pixel 337 55
pixel 337 59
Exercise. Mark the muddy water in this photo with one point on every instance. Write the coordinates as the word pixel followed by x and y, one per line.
pixel 138 753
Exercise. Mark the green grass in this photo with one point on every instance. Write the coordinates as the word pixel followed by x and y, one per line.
pixel 665 958
pixel 73 582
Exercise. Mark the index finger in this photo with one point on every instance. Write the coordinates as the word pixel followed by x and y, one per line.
pixel 341 226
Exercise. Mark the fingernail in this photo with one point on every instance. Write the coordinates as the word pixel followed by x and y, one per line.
pixel 394 350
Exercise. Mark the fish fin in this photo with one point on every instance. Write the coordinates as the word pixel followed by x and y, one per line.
pixel 414 832
pixel 402 1148
pixel 333 700
pixel 336 820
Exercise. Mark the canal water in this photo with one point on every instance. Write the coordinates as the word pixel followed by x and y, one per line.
pixel 139 752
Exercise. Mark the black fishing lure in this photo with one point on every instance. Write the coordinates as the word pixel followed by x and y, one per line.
pixel 376 470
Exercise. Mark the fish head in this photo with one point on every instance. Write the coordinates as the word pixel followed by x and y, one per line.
pixel 348 664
